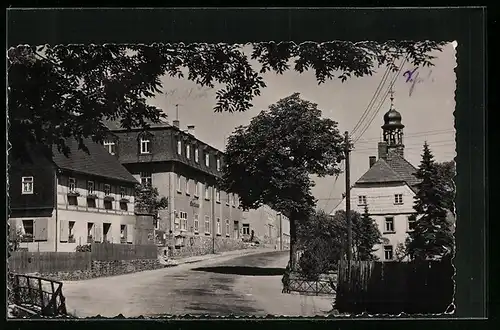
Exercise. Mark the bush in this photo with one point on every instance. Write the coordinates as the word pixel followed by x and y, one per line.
pixel 318 258
pixel 84 248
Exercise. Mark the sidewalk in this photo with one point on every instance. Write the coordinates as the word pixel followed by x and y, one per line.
pixel 190 260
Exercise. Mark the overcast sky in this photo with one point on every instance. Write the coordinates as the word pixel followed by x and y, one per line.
pixel 427 112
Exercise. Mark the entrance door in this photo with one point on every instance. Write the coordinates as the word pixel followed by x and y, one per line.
pixel 236 230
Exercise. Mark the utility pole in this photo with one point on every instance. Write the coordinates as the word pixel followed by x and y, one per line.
pixel 348 200
pixel 213 219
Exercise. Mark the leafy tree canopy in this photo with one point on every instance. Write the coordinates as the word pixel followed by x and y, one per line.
pixel 59 92
pixel 447 171
pixel 147 199
pixel 270 160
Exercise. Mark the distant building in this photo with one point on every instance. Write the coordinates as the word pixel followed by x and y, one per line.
pixel 59 202
pixel 388 188
pixel 183 169
pixel 268 225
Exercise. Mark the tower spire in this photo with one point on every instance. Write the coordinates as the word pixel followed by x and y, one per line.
pixel 391 91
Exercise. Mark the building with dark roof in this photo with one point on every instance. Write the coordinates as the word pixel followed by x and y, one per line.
pixel 59 202
pixel 387 188
pixel 185 170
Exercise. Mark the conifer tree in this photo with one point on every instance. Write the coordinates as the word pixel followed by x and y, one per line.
pixel 369 236
pixel 432 236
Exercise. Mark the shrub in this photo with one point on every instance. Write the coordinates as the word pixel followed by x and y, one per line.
pixel 84 248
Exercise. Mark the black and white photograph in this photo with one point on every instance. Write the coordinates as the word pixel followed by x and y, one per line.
pixel 262 178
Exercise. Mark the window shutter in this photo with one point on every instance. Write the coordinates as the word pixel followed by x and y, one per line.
pixel 40 229
pixel 64 234
pixel 98 231
pixel 130 233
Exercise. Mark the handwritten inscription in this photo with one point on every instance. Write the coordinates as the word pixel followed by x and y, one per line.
pixel 188 94
pixel 412 77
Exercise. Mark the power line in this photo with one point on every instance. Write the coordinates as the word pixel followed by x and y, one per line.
pixel 370 104
pixel 411 146
pixel 411 136
pixel 383 100
pixel 333 186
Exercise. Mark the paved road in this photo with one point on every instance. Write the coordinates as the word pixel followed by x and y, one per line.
pixel 238 285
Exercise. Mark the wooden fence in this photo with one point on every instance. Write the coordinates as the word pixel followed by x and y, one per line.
pixel 52 262
pixel 395 287
pixel 48 262
pixel 111 252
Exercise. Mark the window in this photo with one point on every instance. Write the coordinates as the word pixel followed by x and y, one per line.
pixel 207 225
pixel 145 146
pixel 231 199
pixel 218 226
pixel 27 182
pixel 188 151
pixel 196 223
pixel 108 205
pixel 187 186
pixel 124 206
pixel 176 219
pixel 110 146
pixel 246 229
pixel 72 184
pixel 156 223
pixel 361 200
pixel 389 224
pixel 218 164
pixel 90 187
pixel 196 189
pixel 398 199
pixel 183 220
pixel 107 232
pixel 71 232
pixel 90 232
pixel 122 192
pixel 178 183
pixel 179 147
pixel 227 227
pixel 91 203
pixel 207 159
pixel 123 234
pixel 72 200
pixel 107 189
pixel 196 155
pixel 388 252
pixel 207 192
pixel 28 231
pixel 146 178
pixel 412 221
pixel 217 195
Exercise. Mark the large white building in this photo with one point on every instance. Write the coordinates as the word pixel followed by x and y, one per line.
pixel 387 188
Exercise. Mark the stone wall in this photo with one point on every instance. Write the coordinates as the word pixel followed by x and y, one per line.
pixel 201 245
pixel 106 268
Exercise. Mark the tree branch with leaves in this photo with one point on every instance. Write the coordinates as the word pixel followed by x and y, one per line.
pixel 69 91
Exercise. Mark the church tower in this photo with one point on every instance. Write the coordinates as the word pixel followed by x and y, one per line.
pixel 392 129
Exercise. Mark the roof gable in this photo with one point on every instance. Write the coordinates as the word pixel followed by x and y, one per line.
pixel 380 172
pixel 97 162
pixel 404 169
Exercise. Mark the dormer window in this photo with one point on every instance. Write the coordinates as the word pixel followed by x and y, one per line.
pixel 197 155
pixel 218 164
pixel 90 187
pixel 27 183
pixel 145 145
pixel 110 147
pixel 179 147
pixel 122 192
pixel 107 189
pixel 207 159
pixel 72 184
pixel 188 151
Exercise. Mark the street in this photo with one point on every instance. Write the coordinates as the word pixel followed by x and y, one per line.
pixel 238 284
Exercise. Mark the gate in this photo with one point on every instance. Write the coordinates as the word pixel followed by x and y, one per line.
pixel 323 286
pixel 40 295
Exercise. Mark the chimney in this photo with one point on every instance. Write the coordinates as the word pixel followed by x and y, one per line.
pixel 191 129
pixel 382 150
pixel 373 159
pixel 176 123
